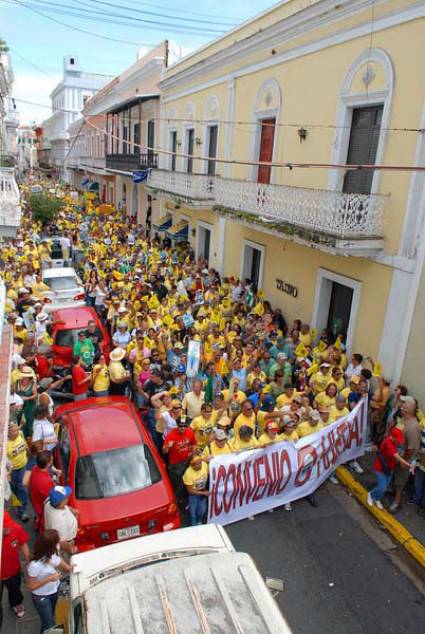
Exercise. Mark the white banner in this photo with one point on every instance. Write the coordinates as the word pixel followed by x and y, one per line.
pixel 250 482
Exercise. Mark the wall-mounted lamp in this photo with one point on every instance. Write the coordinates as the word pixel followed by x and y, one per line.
pixel 198 141
pixel 302 133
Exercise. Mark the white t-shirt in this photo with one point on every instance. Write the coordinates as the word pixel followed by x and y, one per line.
pixel 62 520
pixel 44 429
pixel 65 242
pixel 40 570
pixel 169 421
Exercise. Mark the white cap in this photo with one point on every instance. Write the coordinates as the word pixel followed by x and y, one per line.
pixel 19 321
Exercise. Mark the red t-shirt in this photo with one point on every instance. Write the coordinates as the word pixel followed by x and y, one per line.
pixel 78 374
pixel 388 450
pixel 10 549
pixel 40 484
pixel 183 444
pixel 43 367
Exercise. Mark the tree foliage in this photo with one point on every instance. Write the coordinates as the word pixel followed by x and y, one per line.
pixel 44 208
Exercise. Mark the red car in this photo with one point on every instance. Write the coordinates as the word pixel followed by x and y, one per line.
pixel 120 486
pixel 67 323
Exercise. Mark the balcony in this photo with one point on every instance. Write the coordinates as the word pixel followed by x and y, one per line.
pixel 10 211
pixel 148 160
pixel 88 162
pixel 123 162
pixel 342 221
pixel 194 189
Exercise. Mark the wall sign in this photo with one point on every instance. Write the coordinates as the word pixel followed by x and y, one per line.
pixel 286 288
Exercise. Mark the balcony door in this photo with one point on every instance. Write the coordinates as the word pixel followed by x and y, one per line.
pixel 253 262
pixel 190 139
pixel 265 153
pixel 173 150
pixel 151 138
pixel 363 144
pixel 339 309
pixel 212 148
pixel 136 137
pixel 204 242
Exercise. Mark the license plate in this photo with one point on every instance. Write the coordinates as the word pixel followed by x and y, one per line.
pixel 125 533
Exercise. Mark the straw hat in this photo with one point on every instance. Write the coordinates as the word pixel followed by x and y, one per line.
pixel 117 355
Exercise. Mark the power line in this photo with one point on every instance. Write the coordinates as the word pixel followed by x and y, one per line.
pixel 118 19
pixel 75 28
pixel 32 64
pixel 179 10
pixel 236 123
pixel 153 13
pixel 287 165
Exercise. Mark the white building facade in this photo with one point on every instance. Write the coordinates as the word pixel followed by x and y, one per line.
pixel 68 99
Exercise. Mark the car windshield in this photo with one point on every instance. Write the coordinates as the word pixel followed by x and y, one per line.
pixel 67 338
pixel 115 472
pixel 61 283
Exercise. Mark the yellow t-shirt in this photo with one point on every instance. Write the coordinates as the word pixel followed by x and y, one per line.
pixel 264 439
pixel 239 445
pixel 306 339
pixel 335 413
pixel 214 450
pixel 202 429
pixel 17 451
pixel 261 419
pixel 196 479
pixel 283 399
pixel 240 396
pixel 305 429
pixel 116 370
pixel 340 383
pixel 101 382
pixel 319 382
pixel 252 376
pixel 292 436
pixel 323 400
pixel 244 420
pixel 192 404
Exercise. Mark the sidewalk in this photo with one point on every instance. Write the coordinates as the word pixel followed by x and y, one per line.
pixel 407 515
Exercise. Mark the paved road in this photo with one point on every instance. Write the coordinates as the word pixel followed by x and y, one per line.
pixel 337 566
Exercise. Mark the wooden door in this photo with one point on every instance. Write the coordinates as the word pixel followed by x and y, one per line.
pixel 266 149
pixel 364 138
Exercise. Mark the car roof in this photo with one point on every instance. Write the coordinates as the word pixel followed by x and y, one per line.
pixel 66 271
pixel 75 317
pixel 102 424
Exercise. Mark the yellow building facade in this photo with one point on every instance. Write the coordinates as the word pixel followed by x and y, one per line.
pixel 306 83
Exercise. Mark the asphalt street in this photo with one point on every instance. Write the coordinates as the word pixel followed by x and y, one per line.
pixel 337 566
pixel 341 572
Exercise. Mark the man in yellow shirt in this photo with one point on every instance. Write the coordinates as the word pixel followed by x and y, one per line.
pixel 247 417
pixel 338 410
pixel 320 380
pixel 244 439
pixel 287 397
pixel 203 425
pixel 311 426
pixel 218 446
pixel 192 401
pixel 195 479
pixel 17 455
pixel 270 435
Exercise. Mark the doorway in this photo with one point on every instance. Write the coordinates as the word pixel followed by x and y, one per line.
pixel 253 262
pixel 204 241
pixel 336 302
pixel 266 149
pixel 339 309
pixel 212 148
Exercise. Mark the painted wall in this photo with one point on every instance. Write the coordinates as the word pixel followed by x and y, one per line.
pixel 413 368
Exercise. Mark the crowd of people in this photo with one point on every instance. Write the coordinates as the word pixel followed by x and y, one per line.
pixel 258 379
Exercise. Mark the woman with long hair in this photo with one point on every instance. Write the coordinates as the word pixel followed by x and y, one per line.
pixel 44 576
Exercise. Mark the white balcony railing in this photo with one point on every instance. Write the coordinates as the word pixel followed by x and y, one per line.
pixel 340 214
pixel 196 187
pixel 10 211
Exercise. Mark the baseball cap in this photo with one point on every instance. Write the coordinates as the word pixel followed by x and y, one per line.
pixel 408 399
pixel 314 414
pixel 19 321
pixel 267 403
pixel 219 434
pixel 272 426
pixel 181 369
pixel 58 494
pixel 288 420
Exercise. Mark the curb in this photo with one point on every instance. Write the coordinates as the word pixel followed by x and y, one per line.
pixel 393 526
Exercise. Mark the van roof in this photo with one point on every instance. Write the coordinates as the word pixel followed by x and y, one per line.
pixel 74 318
pixel 222 593
pixel 103 425
pixel 65 271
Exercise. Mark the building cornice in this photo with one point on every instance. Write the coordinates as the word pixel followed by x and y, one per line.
pixel 298 24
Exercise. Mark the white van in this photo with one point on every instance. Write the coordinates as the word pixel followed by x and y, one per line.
pixel 186 581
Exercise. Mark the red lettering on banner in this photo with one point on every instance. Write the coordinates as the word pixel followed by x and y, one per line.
pixel 260 480
pixel 221 475
pixel 227 505
pixel 307 458
pixel 283 480
pixel 354 429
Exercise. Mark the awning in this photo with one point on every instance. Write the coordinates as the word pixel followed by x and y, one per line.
pixel 179 232
pixel 164 223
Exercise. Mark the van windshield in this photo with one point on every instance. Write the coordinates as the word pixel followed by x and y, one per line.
pixel 61 283
pixel 115 472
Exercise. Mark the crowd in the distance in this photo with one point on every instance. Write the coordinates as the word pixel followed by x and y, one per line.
pixel 259 380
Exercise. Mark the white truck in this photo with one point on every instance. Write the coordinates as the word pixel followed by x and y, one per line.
pixel 187 581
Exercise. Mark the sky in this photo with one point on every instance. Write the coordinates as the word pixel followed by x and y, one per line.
pixel 37 44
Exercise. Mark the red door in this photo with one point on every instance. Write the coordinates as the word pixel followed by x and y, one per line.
pixel 266 149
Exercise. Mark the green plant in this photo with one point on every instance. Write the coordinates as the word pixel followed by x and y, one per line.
pixel 44 208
